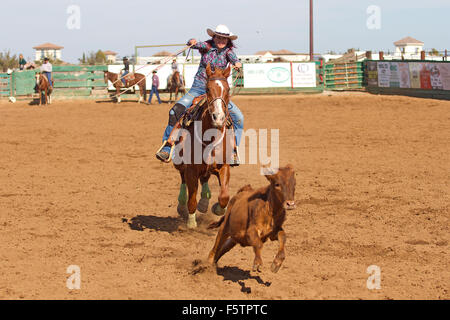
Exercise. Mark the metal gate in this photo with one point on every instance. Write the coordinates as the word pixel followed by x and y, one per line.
pixel 344 76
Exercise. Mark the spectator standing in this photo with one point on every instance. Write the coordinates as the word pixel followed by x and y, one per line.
pixel 22 62
pixel 155 85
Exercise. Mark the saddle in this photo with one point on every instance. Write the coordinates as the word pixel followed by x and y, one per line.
pixel 129 77
pixel 194 113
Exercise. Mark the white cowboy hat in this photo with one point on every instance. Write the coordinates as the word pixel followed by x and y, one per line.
pixel 223 31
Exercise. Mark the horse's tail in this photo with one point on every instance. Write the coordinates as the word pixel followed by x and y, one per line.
pixel 216 224
pixel 144 86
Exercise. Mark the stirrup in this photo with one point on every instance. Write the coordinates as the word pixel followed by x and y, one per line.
pixel 236 158
pixel 170 153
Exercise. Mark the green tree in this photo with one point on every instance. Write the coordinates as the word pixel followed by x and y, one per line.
pixel 8 61
pixel 100 57
pixel 93 58
pixel 83 59
pixel 434 52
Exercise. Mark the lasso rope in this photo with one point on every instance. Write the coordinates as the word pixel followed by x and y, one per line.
pixel 162 62
pixel 237 89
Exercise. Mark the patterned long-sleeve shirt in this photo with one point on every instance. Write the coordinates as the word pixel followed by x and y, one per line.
pixel 217 58
pixel 155 81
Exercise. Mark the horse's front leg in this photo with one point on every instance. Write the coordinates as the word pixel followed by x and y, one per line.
pixel 182 207
pixel 45 96
pixel 117 93
pixel 192 184
pixel 224 195
pixel 203 204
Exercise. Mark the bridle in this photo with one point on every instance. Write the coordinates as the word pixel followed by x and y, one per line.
pixel 40 78
pixel 210 102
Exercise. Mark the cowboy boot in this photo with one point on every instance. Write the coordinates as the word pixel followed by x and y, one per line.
pixel 170 142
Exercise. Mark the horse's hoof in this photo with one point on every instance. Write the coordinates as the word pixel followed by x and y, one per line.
pixel 203 205
pixel 218 210
pixel 257 267
pixel 275 267
pixel 183 211
pixel 192 222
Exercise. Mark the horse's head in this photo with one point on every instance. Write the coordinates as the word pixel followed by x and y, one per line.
pixel 218 95
pixel 38 76
pixel 105 76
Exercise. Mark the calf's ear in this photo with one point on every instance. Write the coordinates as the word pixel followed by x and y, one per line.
pixel 269 173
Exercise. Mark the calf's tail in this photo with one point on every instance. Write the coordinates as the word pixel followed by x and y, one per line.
pixel 216 224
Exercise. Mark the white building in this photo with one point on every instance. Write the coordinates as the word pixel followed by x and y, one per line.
pixel 409 47
pixel 111 56
pixel 48 50
pixel 280 56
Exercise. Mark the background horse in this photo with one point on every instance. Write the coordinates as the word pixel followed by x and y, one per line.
pixel 213 115
pixel 175 85
pixel 44 88
pixel 139 79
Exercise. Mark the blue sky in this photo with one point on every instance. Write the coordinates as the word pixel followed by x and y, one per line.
pixel 260 25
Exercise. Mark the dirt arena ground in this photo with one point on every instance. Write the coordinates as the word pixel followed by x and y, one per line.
pixel 79 185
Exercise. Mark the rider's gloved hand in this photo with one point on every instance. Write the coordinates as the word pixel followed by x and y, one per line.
pixel 192 42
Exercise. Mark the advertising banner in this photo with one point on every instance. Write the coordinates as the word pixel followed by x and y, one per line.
pixel 384 74
pixel 414 72
pixel 425 76
pixel 435 76
pixel 372 73
pixel 267 75
pixel 303 75
pixel 444 69
pixel 394 79
pixel 404 75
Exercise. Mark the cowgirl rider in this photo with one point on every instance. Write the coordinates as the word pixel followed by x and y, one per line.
pixel 218 52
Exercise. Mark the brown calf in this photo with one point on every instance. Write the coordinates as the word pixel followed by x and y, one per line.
pixel 253 216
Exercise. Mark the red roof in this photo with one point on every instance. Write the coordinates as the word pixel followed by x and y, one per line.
pixel 162 54
pixel 48 45
pixel 277 53
pixel 110 53
pixel 407 40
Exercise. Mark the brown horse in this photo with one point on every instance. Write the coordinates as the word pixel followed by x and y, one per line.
pixel 44 88
pixel 138 79
pixel 213 116
pixel 175 85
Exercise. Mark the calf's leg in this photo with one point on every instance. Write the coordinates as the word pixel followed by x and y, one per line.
pixel 255 241
pixel 226 246
pixel 279 258
pixel 220 239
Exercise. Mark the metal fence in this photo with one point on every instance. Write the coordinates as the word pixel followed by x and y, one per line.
pixel 343 76
pixel 70 81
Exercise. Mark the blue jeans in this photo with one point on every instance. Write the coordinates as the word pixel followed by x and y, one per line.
pixel 186 101
pixel 123 77
pixel 155 91
pixel 49 77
